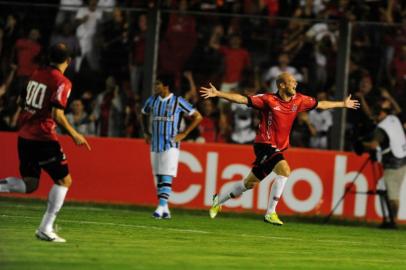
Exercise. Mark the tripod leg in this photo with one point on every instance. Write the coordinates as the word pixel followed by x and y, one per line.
pixel 390 210
pixel 383 203
pixel 347 190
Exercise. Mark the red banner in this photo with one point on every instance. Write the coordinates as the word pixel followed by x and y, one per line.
pixel 119 171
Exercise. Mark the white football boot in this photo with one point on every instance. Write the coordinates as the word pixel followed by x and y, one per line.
pixel 49 236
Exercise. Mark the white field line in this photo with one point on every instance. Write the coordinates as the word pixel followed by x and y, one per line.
pixel 113 224
pixel 142 226
pixel 184 230
pixel 84 208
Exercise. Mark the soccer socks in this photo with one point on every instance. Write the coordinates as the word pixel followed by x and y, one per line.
pixel 164 189
pixel 12 184
pixel 56 198
pixel 236 190
pixel 276 192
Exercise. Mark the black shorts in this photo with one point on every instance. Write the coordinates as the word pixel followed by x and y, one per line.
pixel 266 159
pixel 46 155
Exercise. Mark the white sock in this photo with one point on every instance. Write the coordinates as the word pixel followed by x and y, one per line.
pixel 12 184
pixel 56 198
pixel 276 192
pixel 237 189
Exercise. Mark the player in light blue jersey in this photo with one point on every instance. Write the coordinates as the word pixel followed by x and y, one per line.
pixel 163 113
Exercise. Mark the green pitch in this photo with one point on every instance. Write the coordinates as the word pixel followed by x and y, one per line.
pixel 101 237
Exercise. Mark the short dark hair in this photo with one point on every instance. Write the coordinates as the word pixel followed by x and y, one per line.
pixel 166 80
pixel 58 53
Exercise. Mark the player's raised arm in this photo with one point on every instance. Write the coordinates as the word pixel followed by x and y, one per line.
pixel 346 103
pixel 59 116
pixel 213 92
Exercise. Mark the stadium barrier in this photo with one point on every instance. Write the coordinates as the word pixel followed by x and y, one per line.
pixel 118 171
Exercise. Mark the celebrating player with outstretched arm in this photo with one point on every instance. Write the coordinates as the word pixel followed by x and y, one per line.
pixel 278 111
pixel 38 147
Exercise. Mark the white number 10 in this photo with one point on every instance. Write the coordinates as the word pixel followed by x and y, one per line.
pixel 35 94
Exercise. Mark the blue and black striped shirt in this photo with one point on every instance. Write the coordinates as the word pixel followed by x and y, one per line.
pixel 166 114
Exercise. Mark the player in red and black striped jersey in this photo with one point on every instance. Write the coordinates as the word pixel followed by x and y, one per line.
pixel 38 148
pixel 47 88
pixel 278 113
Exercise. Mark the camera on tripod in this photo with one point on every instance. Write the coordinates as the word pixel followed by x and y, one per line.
pixel 359 149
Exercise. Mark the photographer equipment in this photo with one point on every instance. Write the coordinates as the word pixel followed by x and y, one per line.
pixel 387 214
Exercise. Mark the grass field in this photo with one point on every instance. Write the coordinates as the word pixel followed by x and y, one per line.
pixel 102 237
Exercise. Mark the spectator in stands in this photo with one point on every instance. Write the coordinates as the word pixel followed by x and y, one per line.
pixel 65 34
pixel 297 46
pixel 27 51
pixel 109 110
pixel 11 32
pixel 243 130
pixel 67 11
pixel 115 46
pixel 324 39
pixel 188 90
pixel 208 125
pixel 80 120
pixel 368 95
pixel 206 62
pixel 178 43
pixel 236 60
pixel 224 129
pixel 283 66
pixel 312 7
pixel 88 101
pixel 388 102
pixel 137 55
pixel 5 83
pixel 107 6
pixel 322 121
pixel 87 19
pixel 133 118
pixel 8 118
pixel 270 6
pixel 399 69
pixel 356 72
pixel 302 131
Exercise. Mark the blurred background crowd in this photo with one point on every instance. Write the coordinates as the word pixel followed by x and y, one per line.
pixel 239 46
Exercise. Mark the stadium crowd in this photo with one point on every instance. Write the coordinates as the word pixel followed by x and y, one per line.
pixel 213 43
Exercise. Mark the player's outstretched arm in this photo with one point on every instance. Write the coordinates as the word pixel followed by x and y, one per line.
pixel 346 103
pixel 59 116
pixel 213 92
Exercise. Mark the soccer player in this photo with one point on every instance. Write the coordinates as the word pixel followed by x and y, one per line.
pixel 166 111
pixel 278 111
pixel 38 147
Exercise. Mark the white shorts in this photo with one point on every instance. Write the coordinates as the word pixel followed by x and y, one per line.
pixel 165 163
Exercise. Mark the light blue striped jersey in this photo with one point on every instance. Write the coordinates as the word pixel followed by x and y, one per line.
pixel 166 114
